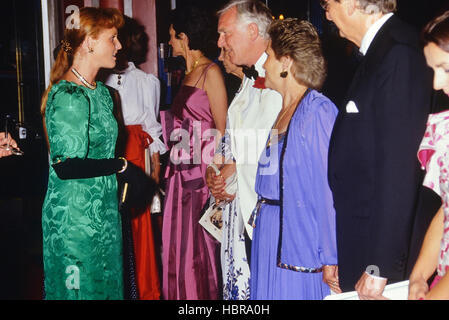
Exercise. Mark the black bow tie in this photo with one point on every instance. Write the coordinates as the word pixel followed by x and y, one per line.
pixel 251 72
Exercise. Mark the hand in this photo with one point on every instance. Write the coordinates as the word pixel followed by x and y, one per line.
pixel 217 183
pixel 223 196
pixel 5 140
pixel 371 288
pixel 330 277
pixel 418 289
pixel 211 180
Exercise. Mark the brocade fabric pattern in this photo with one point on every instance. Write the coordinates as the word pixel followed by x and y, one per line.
pixel 82 239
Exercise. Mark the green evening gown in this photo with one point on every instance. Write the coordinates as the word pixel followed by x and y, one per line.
pixel 80 220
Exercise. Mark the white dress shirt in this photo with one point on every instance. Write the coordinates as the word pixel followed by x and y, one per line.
pixel 140 96
pixel 251 116
pixel 371 33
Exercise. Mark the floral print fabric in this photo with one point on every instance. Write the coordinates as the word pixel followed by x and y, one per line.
pixel 433 155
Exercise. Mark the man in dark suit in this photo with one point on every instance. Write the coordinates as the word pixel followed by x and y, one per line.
pixel 373 168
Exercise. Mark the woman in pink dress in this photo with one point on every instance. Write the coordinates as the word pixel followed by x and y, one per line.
pixel 434 157
pixel 190 253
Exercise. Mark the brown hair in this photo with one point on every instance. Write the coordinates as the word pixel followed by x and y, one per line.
pixel 92 21
pixel 437 31
pixel 299 40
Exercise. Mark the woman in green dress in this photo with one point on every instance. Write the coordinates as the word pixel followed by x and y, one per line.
pixel 81 224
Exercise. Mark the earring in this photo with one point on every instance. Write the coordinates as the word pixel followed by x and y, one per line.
pixel 91 50
pixel 284 74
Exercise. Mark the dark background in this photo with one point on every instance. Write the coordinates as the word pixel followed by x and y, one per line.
pixel 23 179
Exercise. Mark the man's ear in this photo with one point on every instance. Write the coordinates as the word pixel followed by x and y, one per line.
pixel 253 31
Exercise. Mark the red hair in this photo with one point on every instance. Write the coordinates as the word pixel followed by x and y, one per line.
pixel 92 21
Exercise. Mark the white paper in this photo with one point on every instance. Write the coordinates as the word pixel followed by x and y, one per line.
pixel 212 221
pixel 395 291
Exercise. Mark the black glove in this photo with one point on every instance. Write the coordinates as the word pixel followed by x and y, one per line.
pixel 77 168
pixel 141 188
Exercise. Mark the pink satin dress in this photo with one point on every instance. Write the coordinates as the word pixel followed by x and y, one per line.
pixel 189 253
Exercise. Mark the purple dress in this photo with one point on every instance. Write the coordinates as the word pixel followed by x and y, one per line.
pixel 294 235
pixel 189 253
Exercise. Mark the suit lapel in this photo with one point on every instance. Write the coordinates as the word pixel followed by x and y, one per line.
pixel 380 45
pixel 368 64
pixel 382 42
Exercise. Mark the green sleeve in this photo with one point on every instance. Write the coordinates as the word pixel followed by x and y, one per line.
pixel 67 120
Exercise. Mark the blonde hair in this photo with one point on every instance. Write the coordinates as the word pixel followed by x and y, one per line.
pixel 92 21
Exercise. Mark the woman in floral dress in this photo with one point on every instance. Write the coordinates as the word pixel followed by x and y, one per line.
pixel 434 157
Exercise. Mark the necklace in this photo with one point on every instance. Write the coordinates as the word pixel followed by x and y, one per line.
pixel 195 64
pixel 84 81
pixel 283 113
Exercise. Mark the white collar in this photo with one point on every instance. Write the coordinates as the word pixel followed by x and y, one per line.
pixel 259 64
pixel 372 31
pixel 131 67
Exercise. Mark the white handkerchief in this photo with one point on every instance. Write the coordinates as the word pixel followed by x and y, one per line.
pixel 351 107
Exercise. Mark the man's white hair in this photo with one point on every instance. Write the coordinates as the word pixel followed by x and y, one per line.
pixel 377 6
pixel 251 11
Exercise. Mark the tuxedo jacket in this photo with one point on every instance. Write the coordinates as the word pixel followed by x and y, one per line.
pixel 374 173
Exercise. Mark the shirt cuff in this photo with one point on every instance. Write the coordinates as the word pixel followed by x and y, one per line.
pixel 157 146
pixel 375 277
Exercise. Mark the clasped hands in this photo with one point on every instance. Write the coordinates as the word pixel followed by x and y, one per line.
pixel 217 183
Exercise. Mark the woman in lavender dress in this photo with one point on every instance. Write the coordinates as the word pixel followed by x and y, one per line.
pixel 294 252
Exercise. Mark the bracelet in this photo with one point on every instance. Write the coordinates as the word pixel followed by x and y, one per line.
pixel 125 165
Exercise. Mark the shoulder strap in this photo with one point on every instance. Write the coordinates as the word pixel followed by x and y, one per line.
pixel 203 75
